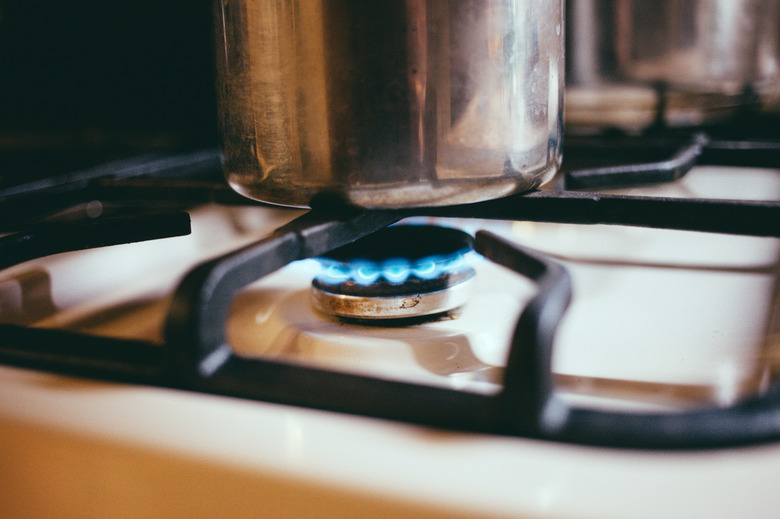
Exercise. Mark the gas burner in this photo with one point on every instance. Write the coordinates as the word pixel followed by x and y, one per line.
pixel 402 272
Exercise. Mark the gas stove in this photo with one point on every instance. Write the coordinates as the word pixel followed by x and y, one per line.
pixel 602 349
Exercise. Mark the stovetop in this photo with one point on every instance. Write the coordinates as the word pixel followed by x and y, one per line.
pixel 660 321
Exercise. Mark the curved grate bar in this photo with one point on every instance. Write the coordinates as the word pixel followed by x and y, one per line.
pixel 639 174
pixel 698 149
pixel 201 355
pixel 45 240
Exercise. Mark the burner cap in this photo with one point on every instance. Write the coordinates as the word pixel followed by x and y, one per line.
pixel 401 272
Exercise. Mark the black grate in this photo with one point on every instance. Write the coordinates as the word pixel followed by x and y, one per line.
pixel 615 159
pixel 196 355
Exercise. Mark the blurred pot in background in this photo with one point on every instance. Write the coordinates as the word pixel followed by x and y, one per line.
pixel 678 62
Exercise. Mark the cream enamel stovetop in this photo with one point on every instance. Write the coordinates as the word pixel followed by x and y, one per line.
pixel 670 319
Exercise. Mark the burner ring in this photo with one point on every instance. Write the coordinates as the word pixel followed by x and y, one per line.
pixel 392 307
pixel 400 272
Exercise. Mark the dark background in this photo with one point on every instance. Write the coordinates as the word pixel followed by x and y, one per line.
pixel 81 81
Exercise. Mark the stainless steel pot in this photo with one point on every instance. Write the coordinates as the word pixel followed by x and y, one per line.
pixel 696 61
pixel 389 103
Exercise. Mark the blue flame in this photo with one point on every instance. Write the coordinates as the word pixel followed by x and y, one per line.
pixel 366 272
pixel 396 270
pixel 336 272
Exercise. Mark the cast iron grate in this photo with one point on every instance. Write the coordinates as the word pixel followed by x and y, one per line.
pixel 197 357
pixel 666 154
